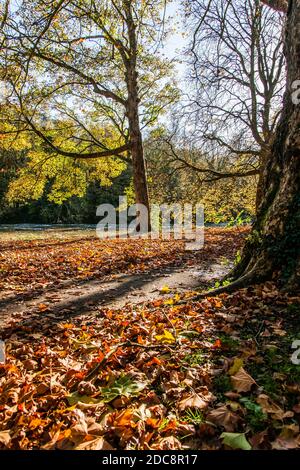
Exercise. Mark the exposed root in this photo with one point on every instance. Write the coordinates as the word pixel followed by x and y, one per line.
pixel 252 277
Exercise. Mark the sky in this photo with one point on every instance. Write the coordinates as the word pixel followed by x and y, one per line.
pixel 177 40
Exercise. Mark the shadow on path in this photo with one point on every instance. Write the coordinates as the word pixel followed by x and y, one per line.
pixel 81 298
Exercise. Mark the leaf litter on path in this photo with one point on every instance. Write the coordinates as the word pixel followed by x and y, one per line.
pixel 129 379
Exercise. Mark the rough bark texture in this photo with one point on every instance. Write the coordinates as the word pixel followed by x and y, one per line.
pixel 136 143
pixel 135 135
pixel 273 245
pixel 260 190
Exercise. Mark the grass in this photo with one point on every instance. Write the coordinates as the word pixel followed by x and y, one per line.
pixel 51 234
pixel 195 359
pixel 229 342
pixel 193 416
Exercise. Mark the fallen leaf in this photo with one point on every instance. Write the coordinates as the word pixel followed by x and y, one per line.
pixel 224 416
pixel 196 400
pixel 237 364
pixel 5 438
pixel 217 344
pixel 2 352
pixel 167 337
pixel 289 438
pixel 258 439
pixel 168 443
pixel 242 381
pixel 75 398
pixel 165 290
pixel 269 407
pixel 43 307
pixel 95 444
pixel 235 440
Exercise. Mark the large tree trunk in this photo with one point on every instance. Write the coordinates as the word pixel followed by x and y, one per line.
pixel 273 247
pixel 136 144
pixel 136 147
pixel 135 135
pixel 263 160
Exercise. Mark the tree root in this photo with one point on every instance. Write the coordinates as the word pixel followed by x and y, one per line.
pixel 244 281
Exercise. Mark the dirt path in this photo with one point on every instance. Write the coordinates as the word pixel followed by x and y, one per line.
pixel 111 291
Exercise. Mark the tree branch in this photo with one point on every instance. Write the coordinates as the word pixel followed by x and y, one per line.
pixel 92 155
pixel 103 92
pixel 216 175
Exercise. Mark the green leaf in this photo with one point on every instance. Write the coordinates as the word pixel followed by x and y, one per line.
pixel 235 440
pixel 123 386
pixel 251 406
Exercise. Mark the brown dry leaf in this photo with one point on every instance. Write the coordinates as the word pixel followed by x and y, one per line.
pixel 54 438
pixel 249 349
pixel 196 400
pixel 85 425
pixel 224 416
pixel 279 332
pixel 81 427
pixel 95 444
pixel 232 395
pixel 258 439
pixel 242 381
pixel 168 443
pixel 86 388
pixel 294 388
pixel 289 438
pixel 269 407
pixel 5 438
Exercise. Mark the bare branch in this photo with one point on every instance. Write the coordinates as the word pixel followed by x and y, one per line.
pixel 214 174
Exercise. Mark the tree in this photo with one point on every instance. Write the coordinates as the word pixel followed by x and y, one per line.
pixel 225 199
pixel 236 74
pixel 87 61
pixel 273 249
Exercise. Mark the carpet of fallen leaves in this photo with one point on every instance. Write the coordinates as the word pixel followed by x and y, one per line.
pixel 27 266
pixel 210 374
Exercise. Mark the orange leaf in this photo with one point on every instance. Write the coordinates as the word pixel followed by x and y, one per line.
pixel 35 423
pixel 217 344
pixel 68 326
pixel 153 422
pixel 140 340
pixel 124 419
pixel 154 360
pixel 43 307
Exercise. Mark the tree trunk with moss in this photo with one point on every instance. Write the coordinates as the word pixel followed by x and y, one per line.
pixel 273 246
